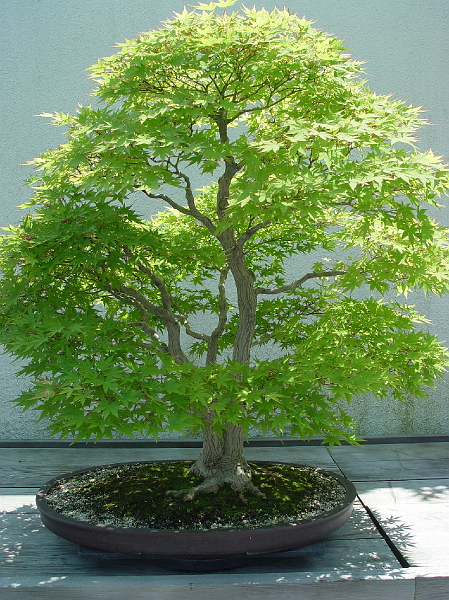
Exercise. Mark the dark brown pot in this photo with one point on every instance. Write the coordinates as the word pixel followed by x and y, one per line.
pixel 208 543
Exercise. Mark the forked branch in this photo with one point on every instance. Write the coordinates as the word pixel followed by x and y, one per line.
pixel 298 282
pixel 248 234
pixel 137 299
pixel 191 209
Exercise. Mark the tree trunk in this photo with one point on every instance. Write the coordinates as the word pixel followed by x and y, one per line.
pixel 221 461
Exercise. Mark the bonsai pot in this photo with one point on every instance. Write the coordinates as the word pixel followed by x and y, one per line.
pixel 195 544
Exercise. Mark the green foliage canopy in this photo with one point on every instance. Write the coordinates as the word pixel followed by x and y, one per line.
pixel 132 325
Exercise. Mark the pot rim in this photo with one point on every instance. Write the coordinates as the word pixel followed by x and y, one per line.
pixel 45 509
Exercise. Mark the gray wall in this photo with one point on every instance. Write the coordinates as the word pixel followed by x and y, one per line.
pixel 47 44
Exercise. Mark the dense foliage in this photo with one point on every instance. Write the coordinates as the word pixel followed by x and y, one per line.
pixel 132 324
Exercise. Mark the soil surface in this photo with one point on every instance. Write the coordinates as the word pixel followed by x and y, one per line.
pixel 133 495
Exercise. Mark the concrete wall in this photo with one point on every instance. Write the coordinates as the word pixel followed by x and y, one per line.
pixel 47 44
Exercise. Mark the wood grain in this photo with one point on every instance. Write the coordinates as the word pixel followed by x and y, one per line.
pixel 406 486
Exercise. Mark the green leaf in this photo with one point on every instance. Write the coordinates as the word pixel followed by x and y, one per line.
pixel 213 5
pixel 316 206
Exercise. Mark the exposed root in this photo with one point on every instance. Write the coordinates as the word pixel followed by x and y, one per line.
pixel 211 485
pixel 191 493
pixel 220 462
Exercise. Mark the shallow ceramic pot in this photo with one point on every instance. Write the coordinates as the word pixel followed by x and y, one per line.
pixel 208 543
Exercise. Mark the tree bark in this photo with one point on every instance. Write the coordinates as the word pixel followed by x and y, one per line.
pixel 221 461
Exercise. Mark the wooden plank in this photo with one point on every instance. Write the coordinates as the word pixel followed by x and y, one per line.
pixel 344 590
pixel 14 491
pixel 359 526
pixel 432 588
pixel 98 455
pixel 426 491
pixel 394 470
pixel 17 500
pixel 22 467
pixel 399 462
pixel 433 450
pixel 420 532
pixel 361 555
pixel 407 488
pixel 45 556
pixel 25 467
pixel 27 547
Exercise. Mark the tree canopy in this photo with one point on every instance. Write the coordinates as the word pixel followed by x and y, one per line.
pixel 132 324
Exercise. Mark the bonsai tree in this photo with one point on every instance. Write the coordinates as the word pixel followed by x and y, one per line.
pixel 265 293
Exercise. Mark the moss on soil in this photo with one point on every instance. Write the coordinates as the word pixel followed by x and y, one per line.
pixel 133 495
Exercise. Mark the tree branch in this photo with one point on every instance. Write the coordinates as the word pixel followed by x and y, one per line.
pixel 137 299
pixel 299 282
pixel 151 333
pixel 272 102
pixel 142 303
pixel 212 349
pixel 248 234
pixel 198 336
pixel 192 210
pixel 169 201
